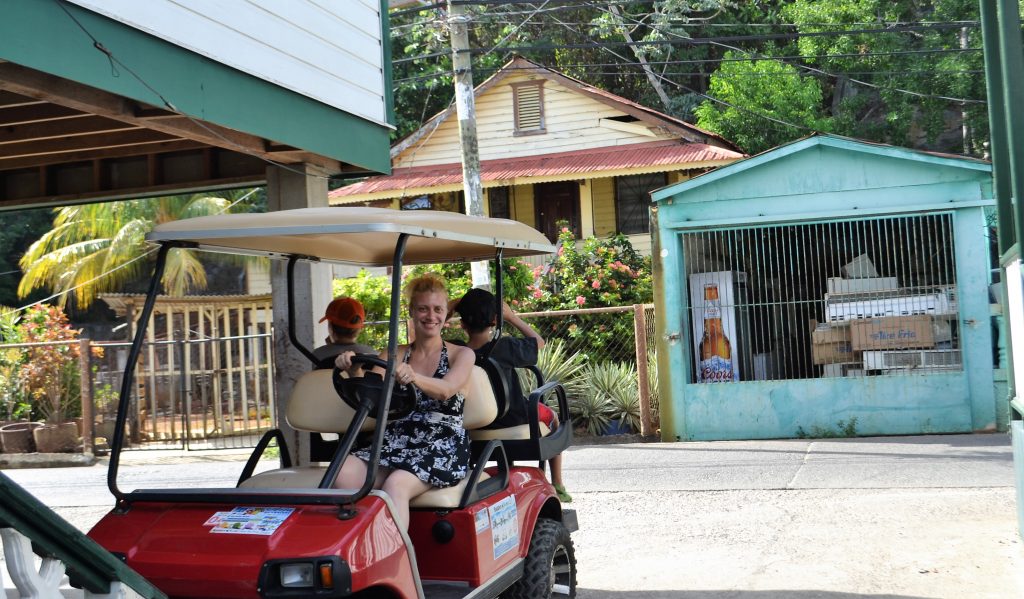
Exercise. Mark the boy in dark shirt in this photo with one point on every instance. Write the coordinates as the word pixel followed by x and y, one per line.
pixel 478 309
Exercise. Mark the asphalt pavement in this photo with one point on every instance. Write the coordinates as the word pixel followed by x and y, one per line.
pixel 894 517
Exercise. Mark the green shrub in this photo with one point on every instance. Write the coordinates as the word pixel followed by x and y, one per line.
pixel 614 385
pixel 556 363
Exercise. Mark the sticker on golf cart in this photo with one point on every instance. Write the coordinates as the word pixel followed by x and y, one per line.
pixel 482 521
pixel 504 526
pixel 249 520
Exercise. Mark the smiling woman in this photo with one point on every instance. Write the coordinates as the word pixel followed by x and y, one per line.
pixel 429 447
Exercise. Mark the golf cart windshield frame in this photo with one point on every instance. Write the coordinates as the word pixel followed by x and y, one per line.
pixel 324 494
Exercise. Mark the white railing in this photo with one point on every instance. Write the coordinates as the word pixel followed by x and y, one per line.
pixel 43 578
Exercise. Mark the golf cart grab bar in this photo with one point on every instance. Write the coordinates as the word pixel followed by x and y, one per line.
pixel 283 496
pixel 257 453
pixel 128 377
pixel 292 335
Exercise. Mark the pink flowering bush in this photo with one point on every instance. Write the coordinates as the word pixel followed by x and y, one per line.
pixel 601 273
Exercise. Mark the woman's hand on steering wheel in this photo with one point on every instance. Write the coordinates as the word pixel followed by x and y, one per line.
pixel 404 374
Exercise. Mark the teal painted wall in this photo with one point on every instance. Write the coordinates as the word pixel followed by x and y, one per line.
pixel 882 405
pixel 41 36
pixel 817 180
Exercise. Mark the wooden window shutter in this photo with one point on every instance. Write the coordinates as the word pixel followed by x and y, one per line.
pixel 529 107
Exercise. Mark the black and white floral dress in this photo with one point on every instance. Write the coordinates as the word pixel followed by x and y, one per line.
pixel 430 442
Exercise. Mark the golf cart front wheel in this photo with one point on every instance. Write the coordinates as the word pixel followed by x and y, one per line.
pixel 550 569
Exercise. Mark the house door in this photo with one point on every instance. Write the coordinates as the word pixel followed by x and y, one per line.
pixel 555 202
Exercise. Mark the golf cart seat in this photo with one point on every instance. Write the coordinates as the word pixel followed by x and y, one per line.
pixel 314 406
pixel 532 440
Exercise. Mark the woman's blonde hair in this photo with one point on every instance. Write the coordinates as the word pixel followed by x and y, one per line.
pixel 426 283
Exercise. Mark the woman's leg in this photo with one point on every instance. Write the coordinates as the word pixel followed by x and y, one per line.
pixel 402 486
pixel 353 474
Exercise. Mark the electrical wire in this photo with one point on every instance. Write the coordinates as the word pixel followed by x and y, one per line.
pixel 826 73
pixel 120 266
pixel 591 66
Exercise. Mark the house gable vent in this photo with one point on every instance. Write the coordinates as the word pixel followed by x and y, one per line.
pixel 529 107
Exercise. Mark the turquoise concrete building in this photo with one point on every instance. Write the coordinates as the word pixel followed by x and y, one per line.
pixel 828 286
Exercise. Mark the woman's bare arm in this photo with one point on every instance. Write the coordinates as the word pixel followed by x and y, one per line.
pixel 460 364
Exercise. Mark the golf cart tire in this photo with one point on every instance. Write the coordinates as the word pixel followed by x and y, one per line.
pixel 550 546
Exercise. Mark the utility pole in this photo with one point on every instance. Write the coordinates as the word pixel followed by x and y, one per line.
pixel 465 108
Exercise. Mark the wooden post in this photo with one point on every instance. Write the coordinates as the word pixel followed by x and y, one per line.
pixel 640 334
pixel 85 393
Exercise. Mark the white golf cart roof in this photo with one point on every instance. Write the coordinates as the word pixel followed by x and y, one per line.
pixel 360 236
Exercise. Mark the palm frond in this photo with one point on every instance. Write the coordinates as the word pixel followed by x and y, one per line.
pixel 183 273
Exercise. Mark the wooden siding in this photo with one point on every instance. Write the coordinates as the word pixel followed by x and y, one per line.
pixel 297 44
pixel 604 206
pixel 571 119
pixel 521 205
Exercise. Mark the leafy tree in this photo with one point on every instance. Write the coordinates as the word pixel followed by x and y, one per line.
pixel 96 248
pixel 20 229
pixel 756 89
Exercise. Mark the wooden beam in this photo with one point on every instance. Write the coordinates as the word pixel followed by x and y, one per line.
pixel 12 99
pixel 63 128
pixel 79 97
pixel 34 113
pixel 83 142
pixel 130 193
pixel 84 155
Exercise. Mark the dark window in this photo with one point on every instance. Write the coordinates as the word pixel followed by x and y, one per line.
pixel 497 199
pixel 632 200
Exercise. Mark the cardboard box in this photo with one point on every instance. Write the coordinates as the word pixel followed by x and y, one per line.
pixel 841 286
pixel 831 345
pixel 893 332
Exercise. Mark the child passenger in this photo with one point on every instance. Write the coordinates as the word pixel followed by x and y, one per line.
pixel 345 320
pixel 478 309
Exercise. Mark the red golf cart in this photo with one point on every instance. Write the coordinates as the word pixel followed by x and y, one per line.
pixel 285 532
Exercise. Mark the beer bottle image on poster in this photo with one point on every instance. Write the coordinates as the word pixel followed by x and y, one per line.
pixel 716 364
pixel 719 327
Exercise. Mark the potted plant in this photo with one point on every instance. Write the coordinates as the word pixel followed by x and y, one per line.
pixel 50 374
pixel 15 431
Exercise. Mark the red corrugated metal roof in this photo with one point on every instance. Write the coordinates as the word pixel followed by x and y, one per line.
pixel 570 164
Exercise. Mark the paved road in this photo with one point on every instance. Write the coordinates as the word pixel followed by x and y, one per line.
pixel 901 518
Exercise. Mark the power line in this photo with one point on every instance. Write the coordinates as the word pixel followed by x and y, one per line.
pixel 603 45
pixel 120 266
pixel 822 72
pixel 590 66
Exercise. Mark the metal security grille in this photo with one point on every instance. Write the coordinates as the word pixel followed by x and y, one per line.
pixel 835 299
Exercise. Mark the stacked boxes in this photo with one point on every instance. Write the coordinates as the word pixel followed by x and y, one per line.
pixel 871 323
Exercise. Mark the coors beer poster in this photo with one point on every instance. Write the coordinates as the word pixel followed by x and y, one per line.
pixel 713 300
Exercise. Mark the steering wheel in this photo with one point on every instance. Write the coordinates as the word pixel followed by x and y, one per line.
pixel 369 389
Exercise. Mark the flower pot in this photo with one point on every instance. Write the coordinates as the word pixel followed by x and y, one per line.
pixel 617 427
pixel 56 438
pixel 17 437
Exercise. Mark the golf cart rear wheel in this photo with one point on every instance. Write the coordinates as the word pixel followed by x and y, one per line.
pixel 550 569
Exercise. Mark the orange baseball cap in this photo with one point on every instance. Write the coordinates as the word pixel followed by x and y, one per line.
pixel 345 312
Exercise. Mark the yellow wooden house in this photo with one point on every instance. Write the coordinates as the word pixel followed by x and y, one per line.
pixel 552 149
